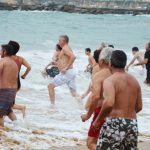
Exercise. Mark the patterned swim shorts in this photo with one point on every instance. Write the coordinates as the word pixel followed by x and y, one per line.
pixel 118 134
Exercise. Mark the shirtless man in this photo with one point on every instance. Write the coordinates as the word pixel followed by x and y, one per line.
pixel 96 69
pixel 97 96
pixel 91 60
pixel 122 101
pixel 146 61
pixel 65 65
pixel 137 56
pixel 8 83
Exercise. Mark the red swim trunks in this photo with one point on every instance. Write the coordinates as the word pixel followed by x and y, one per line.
pixel 95 133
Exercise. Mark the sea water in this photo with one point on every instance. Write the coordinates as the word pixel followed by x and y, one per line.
pixel 37 32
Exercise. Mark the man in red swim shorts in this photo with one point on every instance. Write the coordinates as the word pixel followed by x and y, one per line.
pixel 97 97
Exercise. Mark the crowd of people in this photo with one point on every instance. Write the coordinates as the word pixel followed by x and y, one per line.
pixel 114 96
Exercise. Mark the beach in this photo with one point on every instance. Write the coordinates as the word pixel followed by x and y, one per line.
pixel 142 146
pixel 60 126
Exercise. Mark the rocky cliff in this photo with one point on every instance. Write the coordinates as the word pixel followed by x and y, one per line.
pixel 80 6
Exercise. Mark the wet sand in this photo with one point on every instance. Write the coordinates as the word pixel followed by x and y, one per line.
pixel 142 146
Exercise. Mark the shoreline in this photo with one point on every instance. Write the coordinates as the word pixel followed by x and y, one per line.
pixel 142 146
pixel 76 9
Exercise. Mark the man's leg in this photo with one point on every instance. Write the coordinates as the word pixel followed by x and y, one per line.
pixel 22 108
pixel 12 116
pixel 51 89
pixel 73 93
pixel 1 122
pixel 91 143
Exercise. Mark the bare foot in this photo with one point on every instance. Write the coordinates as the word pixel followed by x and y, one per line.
pixel 23 110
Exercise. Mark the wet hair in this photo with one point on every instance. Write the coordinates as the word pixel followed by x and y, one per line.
pixel 88 50
pixel 8 48
pixel 96 55
pixel 106 54
pixel 112 46
pixel 65 37
pixel 15 46
pixel 118 59
pixel 135 49
pixel 58 47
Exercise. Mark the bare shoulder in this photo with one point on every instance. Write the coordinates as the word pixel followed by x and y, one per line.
pixel 132 79
pixel 66 48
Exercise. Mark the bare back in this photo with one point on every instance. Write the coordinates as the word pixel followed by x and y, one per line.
pixel 64 57
pixel 8 73
pixel 127 95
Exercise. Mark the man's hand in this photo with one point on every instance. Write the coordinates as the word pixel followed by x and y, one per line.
pixel 23 76
pixel 64 70
pixel 85 117
pixel 95 125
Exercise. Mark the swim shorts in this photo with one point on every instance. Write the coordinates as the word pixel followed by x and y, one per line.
pixel 95 133
pixel 118 134
pixel 53 71
pixel 65 78
pixel 7 99
pixel 148 77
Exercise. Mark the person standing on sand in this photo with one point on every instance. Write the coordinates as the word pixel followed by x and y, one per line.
pixel 122 101
pixel 65 64
pixel 91 60
pixel 19 61
pixel 8 83
pixel 146 62
pixel 137 56
pixel 97 97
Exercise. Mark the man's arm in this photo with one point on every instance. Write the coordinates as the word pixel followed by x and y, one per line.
pixel 96 90
pixel 145 61
pixel 139 104
pixel 28 68
pixel 131 62
pixel 108 103
pixel 71 56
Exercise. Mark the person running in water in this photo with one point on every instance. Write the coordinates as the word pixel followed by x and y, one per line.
pixel 96 68
pixel 97 97
pixel 8 83
pixel 91 60
pixel 67 73
pixel 122 100
pixel 137 56
pixel 146 61
pixel 20 61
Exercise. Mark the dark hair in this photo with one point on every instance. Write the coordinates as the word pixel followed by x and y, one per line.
pixel 15 46
pixel 58 47
pixel 65 37
pixel 96 55
pixel 135 49
pixel 88 50
pixel 112 46
pixel 8 48
pixel 118 59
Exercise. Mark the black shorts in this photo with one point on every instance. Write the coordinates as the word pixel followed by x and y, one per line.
pixel 118 134
pixel 148 77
